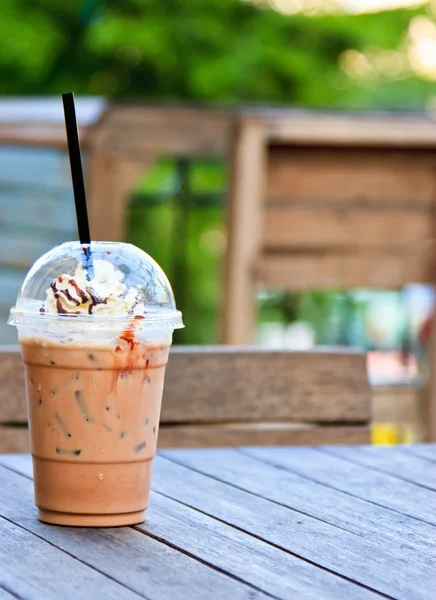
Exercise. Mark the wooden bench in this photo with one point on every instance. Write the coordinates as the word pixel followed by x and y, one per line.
pixel 228 396
pixel 334 202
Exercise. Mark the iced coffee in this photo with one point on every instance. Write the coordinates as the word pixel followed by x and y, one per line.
pixel 95 340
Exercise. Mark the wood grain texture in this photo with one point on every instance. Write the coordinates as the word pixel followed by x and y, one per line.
pixel 254 470
pixel 354 541
pixel 282 397
pixel 41 135
pixel 302 493
pixel 350 130
pixel 21 463
pixel 131 131
pixel 225 384
pixel 331 547
pixel 26 560
pixel 12 392
pixel 233 551
pixel 427 451
pixel 350 177
pixel 248 558
pixel 245 206
pixel 137 561
pixel 13 439
pixel 283 125
pixel 330 228
pixel 5 595
pixel 259 434
pixel 327 468
pixel 341 270
pixel 397 461
pixel 324 385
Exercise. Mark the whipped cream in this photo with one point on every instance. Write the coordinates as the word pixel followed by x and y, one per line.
pixel 104 295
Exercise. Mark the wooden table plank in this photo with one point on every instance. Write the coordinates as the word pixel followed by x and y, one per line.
pixel 396 461
pixel 5 595
pixel 252 523
pixel 252 560
pixel 330 505
pixel 427 451
pixel 333 548
pixel 27 570
pixel 381 489
pixel 132 558
pixel 20 463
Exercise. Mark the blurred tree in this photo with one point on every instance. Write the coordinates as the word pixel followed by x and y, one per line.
pixel 208 51
pixel 217 51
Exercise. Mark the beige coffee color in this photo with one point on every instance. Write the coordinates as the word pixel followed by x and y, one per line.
pixel 93 418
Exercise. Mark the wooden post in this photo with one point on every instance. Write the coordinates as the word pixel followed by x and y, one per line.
pixel 431 388
pixel 248 166
pixel 110 180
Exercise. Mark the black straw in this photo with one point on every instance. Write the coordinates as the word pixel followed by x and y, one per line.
pixel 77 176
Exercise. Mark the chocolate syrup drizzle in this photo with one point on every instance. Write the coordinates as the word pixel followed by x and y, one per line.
pixel 80 293
pixel 83 297
pixel 61 310
pixel 95 299
pixel 66 293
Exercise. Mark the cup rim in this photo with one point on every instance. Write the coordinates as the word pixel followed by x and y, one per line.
pixel 152 319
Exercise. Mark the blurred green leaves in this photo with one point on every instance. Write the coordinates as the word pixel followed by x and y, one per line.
pixel 177 217
pixel 206 51
pixel 210 51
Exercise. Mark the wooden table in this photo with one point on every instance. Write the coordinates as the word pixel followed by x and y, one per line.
pixel 331 522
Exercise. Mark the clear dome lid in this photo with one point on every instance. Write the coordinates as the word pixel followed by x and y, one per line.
pixel 106 284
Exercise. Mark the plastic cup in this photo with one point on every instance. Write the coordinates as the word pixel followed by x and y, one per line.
pixel 94 382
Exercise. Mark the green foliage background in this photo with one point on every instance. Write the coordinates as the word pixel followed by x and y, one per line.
pixel 215 52
pixel 210 51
